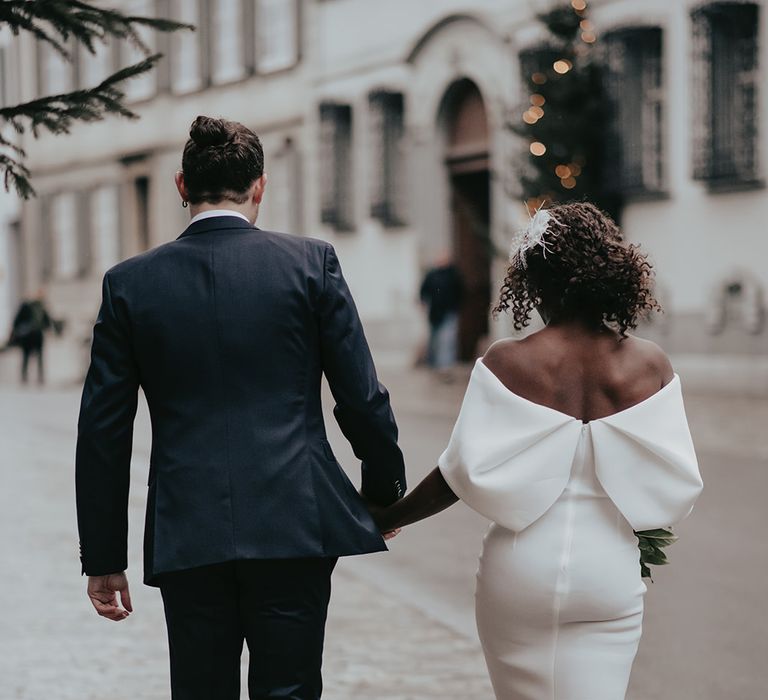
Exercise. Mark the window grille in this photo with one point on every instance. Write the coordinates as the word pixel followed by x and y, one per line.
pixel 336 165
pixel 387 158
pixel 634 163
pixel 725 109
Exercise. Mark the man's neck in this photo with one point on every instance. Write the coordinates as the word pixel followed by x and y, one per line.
pixel 243 209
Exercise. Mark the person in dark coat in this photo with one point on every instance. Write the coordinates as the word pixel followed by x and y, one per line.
pixel 442 292
pixel 31 322
pixel 229 330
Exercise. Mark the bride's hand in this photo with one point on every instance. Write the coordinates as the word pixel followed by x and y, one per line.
pixel 391 534
pixel 379 515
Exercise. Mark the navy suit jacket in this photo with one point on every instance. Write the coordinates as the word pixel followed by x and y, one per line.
pixel 228 330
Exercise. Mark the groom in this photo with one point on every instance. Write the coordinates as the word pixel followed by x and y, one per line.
pixel 228 330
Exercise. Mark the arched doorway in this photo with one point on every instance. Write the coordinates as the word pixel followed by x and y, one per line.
pixel 467 163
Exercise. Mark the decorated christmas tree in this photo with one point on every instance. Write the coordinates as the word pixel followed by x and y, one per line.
pixel 564 119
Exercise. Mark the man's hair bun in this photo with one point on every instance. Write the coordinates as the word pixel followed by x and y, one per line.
pixel 208 131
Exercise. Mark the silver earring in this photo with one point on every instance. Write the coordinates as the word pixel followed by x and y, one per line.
pixel 185 204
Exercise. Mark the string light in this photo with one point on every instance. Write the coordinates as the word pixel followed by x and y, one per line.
pixel 529 117
pixel 539 78
pixel 538 112
pixel 579 5
pixel 562 66
pixel 589 37
pixel 538 148
pixel 575 169
pixel 537 100
pixel 563 171
pixel 569 183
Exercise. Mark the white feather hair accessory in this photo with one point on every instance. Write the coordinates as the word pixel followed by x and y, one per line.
pixel 531 236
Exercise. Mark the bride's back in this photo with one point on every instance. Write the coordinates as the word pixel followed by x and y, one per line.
pixel 585 374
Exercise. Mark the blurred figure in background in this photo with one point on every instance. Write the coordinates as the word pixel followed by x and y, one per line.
pixel 28 333
pixel 442 292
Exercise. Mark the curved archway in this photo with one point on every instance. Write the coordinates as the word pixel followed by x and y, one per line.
pixel 466 131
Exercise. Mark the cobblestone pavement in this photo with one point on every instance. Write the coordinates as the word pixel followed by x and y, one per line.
pixel 400 625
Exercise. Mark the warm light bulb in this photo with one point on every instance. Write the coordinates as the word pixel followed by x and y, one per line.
pixel 569 183
pixel 538 148
pixel 588 37
pixel 575 169
pixel 538 100
pixel 562 171
pixel 538 112
pixel 579 5
pixel 539 78
pixel 529 117
pixel 562 66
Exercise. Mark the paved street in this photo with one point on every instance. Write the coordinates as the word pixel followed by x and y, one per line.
pixel 401 624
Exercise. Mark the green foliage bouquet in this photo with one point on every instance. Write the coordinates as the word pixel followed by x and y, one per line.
pixel 652 543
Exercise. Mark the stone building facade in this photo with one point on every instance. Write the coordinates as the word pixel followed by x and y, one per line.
pixel 384 132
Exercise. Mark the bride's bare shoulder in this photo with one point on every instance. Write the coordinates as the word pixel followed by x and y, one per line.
pixel 511 360
pixel 652 357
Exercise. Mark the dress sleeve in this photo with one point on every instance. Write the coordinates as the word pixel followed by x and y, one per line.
pixel 646 462
pixel 507 458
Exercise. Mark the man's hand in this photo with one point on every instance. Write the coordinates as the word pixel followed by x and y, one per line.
pixel 103 590
pixel 379 514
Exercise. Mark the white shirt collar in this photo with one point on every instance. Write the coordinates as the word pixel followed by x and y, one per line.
pixel 217 212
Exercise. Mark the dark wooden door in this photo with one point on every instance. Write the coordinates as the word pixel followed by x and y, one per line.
pixel 471 224
pixel 467 162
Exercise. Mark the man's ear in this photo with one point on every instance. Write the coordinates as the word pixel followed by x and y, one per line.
pixel 181 186
pixel 258 189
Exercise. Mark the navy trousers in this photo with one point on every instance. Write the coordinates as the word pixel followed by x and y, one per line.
pixel 278 607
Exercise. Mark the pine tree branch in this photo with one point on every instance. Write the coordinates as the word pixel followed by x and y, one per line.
pixel 57 21
pixel 56 113
pixel 16 175
pixel 59 24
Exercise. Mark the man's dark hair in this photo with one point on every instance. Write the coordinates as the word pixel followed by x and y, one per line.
pixel 221 161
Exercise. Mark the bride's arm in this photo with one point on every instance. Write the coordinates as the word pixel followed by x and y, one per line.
pixel 430 497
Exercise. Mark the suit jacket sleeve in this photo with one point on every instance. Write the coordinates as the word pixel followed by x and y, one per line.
pixel 104 441
pixel 362 404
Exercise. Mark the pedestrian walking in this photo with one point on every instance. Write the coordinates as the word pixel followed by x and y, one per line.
pixel 442 292
pixel 31 322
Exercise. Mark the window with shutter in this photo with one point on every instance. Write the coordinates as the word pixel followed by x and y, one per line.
pixel 104 227
pixel 3 78
pixel 228 41
pixel 56 75
pixel 725 106
pixel 186 48
pixel 387 130
pixel 277 35
pixel 144 86
pixel 281 208
pixel 95 67
pixel 336 165
pixel 45 239
pixel 634 164
pixel 64 231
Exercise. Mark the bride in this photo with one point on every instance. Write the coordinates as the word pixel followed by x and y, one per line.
pixel 568 440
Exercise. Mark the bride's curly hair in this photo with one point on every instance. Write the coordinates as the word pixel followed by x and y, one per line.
pixel 587 272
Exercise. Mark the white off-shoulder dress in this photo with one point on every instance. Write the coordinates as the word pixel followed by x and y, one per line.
pixel 559 598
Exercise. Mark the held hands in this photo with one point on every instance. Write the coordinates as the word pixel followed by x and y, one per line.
pixel 380 516
pixel 103 590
